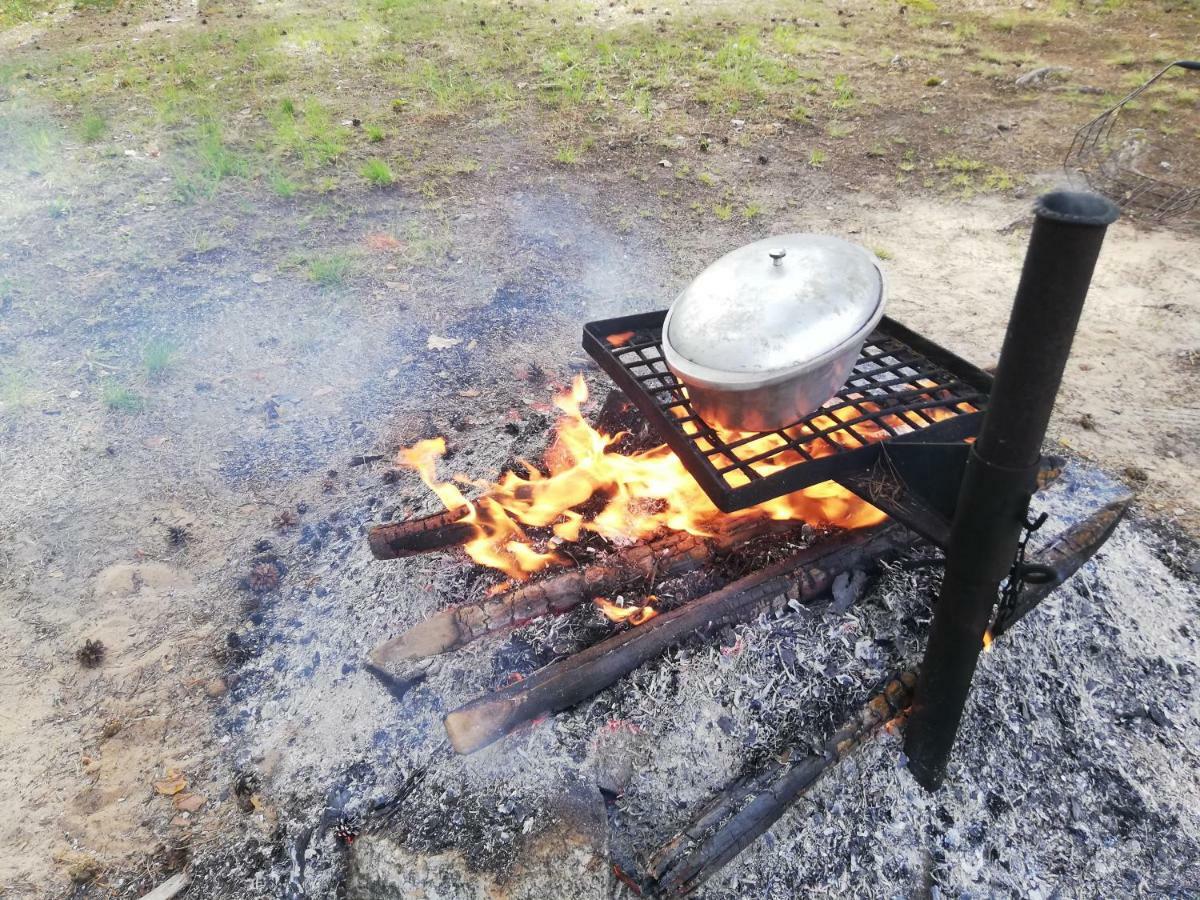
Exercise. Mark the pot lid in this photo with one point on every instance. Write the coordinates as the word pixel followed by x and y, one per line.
pixel 776 304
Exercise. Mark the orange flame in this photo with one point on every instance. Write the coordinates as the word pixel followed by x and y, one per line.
pixel 987 641
pixel 645 493
pixel 634 615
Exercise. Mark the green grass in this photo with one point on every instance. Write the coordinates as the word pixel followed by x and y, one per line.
pixel 211 161
pixel 15 390
pixel 817 158
pixel 375 134
pixel 566 155
pixel 377 172
pixel 283 186
pixel 751 211
pixel 723 211
pixel 158 358
pixel 933 81
pixel 307 133
pixel 329 271
pixel 119 398
pixel 882 253
pixel 844 96
pixel 93 128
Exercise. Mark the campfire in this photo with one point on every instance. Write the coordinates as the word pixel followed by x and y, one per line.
pixel 918 448
pixel 631 497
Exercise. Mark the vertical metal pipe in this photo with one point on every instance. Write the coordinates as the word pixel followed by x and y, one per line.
pixel 999 479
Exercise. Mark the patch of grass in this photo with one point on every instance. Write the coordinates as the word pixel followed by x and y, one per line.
pixel 800 114
pixel 817 158
pixel 283 186
pixel 92 128
pixel 723 211
pixel 966 31
pixel 15 390
pixel 119 398
pixel 838 130
pixel 212 161
pixel 955 163
pixel 933 81
pixel 307 132
pixel 566 155
pixel 1006 22
pixel 999 180
pixel 751 211
pixel 377 172
pixel 374 134
pixel 708 179
pixel 844 96
pixel 158 358
pixel 59 208
pixel 1123 60
pixel 882 253
pixel 329 271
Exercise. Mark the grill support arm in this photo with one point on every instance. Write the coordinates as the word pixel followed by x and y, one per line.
pixel 1002 466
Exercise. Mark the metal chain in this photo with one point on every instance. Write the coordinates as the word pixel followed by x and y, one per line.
pixel 1011 592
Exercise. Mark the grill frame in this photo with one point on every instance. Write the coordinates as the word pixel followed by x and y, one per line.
pixel 891 339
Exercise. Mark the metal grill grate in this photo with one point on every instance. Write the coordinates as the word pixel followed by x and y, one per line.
pixel 903 388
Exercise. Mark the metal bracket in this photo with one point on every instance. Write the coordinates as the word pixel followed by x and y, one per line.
pixel 914 483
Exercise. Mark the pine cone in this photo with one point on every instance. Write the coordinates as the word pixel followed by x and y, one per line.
pixel 91 654
pixel 263 577
pixel 285 520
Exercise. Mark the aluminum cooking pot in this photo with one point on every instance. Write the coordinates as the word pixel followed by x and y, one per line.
pixel 770 331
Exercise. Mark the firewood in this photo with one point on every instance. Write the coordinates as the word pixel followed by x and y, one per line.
pixel 803 576
pixel 673 554
pixel 1063 556
pixel 752 804
pixel 444 530
pixel 438 531
pixel 748 807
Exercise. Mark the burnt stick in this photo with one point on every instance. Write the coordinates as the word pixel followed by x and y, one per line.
pixel 752 804
pixel 673 554
pixel 1063 557
pixel 804 576
pixel 424 535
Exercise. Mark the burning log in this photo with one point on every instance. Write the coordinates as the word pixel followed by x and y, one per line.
pixel 425 535
pixel 673 554
pixel 804 576
pixel 751 805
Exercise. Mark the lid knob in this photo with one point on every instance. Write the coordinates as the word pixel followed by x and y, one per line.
pixel 777 255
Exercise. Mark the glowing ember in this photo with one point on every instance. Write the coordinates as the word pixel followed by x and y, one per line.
pixel 987 641
pixel 634 615
pixel 619 339
pixel 646 493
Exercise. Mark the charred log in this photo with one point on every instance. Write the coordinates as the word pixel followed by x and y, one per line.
pixel 425 535
pixel 673 554
pixel 751 805
pixel 1062 558
pixel 804 577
